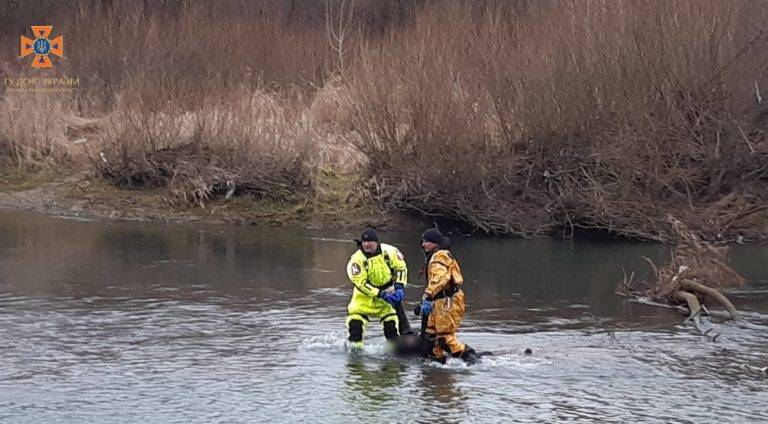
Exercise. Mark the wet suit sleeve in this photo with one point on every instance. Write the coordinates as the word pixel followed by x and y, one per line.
pixel 439 274
pixel 359 277
pixel 399 268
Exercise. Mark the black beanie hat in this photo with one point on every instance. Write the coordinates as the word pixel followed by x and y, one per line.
pixel 369 235
pixel 433 235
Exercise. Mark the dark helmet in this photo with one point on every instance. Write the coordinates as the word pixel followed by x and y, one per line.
pixel 435 236
pixel 369 235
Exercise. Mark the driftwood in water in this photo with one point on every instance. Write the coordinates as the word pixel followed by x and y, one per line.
pixel 694 306
pixel 702 290
pixel 693 277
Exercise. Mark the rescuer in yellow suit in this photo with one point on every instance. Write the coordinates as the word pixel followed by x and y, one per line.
pixel 379 274
pixel 443 299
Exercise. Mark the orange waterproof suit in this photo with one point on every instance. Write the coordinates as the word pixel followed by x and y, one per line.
pixel 444 282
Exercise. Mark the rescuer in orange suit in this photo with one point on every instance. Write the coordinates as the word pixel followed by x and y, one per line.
pixel 443 299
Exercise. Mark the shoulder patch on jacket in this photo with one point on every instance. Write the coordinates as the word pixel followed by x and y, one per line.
pixel 355 269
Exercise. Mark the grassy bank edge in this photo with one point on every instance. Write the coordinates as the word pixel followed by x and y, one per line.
pixel 79 193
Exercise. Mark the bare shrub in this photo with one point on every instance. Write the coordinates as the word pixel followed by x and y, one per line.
pixel 246 145
pixel 518 117
pixel 196 96
pixel 145 62
pixel 600 115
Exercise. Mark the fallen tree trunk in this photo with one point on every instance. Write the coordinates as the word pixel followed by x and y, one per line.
pixel 712 293
pixel 695 312
pixel 692 277
pixel 689 298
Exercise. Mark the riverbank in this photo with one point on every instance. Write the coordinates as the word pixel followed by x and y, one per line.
pixel 507 128
pixel 336 203
pixel 78 193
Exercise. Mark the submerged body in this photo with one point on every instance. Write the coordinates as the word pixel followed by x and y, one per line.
pixel 413 346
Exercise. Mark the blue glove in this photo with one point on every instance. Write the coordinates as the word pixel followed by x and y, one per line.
pixel 387 296
pixel 398 295
pixel 426 307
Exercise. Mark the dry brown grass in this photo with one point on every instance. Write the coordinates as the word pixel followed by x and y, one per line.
pixel 195 96
pixel 31 130
pixel 248 144
pixel 525 119
pixel 517 117
pixel 188 95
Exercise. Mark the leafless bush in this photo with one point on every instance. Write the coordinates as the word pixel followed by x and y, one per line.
pixel 195 96
pixel 192 96
pixel 602 115
pixel 248 145
pixel 518 117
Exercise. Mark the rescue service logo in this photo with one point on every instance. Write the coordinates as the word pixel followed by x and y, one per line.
pixel 42 46
pixel 355 269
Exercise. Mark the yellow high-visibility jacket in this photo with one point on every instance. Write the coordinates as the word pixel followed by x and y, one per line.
pixel 371 274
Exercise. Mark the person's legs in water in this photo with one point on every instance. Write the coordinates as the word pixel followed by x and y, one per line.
pixel 390 327
pixel 356 329
pixel 448 344
pixel 404 327
pixel 361 310
pixel 431 335
pixel 356 324
pixel 444 322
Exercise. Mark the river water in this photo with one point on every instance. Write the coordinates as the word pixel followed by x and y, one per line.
pixel 142 323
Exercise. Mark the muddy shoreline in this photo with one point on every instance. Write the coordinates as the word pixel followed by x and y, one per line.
pixel 80 194
pixel 77 193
